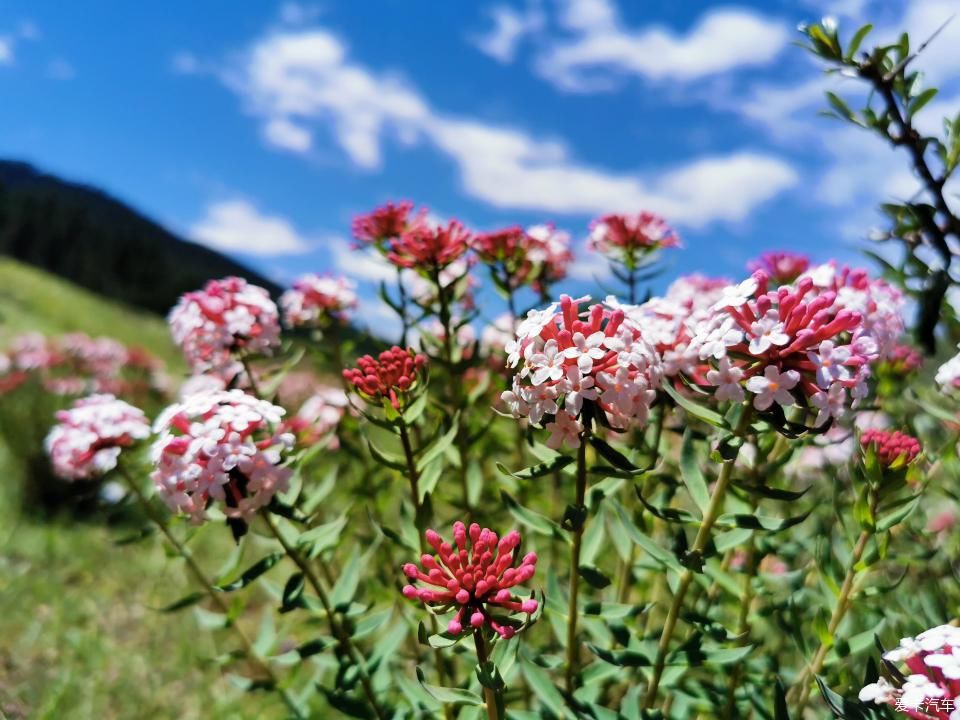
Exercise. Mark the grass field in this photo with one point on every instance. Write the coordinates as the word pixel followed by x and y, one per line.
pixel 79 635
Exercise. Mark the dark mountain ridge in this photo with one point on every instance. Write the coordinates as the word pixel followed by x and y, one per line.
pixel 98 242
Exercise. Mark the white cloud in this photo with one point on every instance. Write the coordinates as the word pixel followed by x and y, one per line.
pixel 238 226
pixel 361 263
pixel 510 26
pixel 599 49
pixel 185 63
pixel 6 50
pixel 300 81
pixel 287 135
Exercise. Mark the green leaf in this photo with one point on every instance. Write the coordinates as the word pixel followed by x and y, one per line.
pixel 854 45
pixel 690 472
pixel 841 107
pixel 621 658
pixel 449 696
pixel 537 471
pixel 252 572
pixel 191 599
pixel 533 520
pixel 543 687
pixel 594 577
pixel 654 550
pixel 761 522
pixel 696 409
pixel 728 656
pixel 438 446
pixel 918 103
pixel 322 537
pixel 615 457
pixel 394 462
pixel 780 711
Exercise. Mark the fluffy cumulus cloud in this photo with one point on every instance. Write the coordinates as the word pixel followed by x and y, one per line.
pixel 302 81
pixel 238 226
pixel 600 47
pixel 6 50
pixel 510 27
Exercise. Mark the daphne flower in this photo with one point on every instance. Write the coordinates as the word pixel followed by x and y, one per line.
pixel 476 578
pixel 930 690
pixel 223 446
pixel 228 317
pixel 564 430
pixel 392 377
pixel 429 249
pixel 317 419
pixel 829 404
pixel 88 438
pixel 783 267
pixel 948 375
pixel 727 379
pixel 891 448
pixel 830 363
pixel 773 386
pixel 767 331
pixel 569 357
pixel 386 223
pixel 625 238
pixel 317 301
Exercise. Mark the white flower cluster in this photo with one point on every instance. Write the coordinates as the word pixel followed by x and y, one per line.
pixel 933 659
pixel 222 445
pixel 88 437
pixel 948 375
pixel 315 300
pixel 569 358
pixel 227 317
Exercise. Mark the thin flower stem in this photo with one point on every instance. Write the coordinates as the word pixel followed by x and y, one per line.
pixel 335 628
pixel 687 577
pixel 743 622
pixel 215 597
pixel 413 475
pixel 245 361
pixel 491 697
pixel 405 323
pixel 800 692
pixel 573 648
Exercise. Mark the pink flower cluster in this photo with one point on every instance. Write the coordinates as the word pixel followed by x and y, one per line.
pixel 903 360
pixel 429 248
pixel 385 223
pixel 785 346
pixel 879 303
pixel 475 576
pixel 316 301
pixel 392 376
pixel 626 238
pixel 317 419
pixel 535 257
pixel 932 686
pixel 77 364
pixel 228 317
pixel 570 358
pixel 88 437
pixel 224 445
pixel 891 447
pixel 670 322
pixel 783 267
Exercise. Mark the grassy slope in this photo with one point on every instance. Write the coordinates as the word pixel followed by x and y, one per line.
pixel 78 638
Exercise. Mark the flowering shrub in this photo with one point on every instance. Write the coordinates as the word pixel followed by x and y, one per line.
pixel 729 493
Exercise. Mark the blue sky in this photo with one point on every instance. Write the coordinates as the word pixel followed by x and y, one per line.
pixel 261 128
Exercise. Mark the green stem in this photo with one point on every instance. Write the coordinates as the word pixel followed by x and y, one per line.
pixel 800 693
pixel 402 291
pixel 245 361
pixel 686 578
pixel 573 648
pixel 215 596
pixel 346 643
pixel 492 698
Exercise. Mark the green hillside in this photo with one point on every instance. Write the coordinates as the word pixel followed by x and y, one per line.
pixel 34 300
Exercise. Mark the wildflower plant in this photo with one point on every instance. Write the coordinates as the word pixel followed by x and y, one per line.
pixel 715 502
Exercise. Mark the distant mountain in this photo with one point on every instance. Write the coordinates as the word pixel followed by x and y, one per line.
pixel 83 235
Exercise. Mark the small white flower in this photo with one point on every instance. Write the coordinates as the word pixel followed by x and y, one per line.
pixel 727 378
pixel 547 364
pixel 773 386
pixel 564 430
pixel 829 361
pixel 767 331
